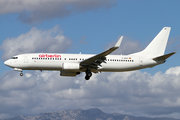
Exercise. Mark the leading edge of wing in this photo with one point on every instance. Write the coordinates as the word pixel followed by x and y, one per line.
pixel 102 55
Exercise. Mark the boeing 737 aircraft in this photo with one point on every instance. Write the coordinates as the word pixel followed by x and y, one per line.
pixel 74 64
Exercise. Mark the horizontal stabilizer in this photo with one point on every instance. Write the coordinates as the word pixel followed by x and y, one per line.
pixel 164 57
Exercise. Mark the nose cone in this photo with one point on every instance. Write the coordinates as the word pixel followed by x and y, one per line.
pixel 7 63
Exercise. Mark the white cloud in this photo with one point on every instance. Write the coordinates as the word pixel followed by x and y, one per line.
pixel 38 10
pixel 173 71
pixel 135 93
pixel 36 40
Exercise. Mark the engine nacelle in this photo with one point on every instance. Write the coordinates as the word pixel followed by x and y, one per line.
pixel 70 74
pixel 70 66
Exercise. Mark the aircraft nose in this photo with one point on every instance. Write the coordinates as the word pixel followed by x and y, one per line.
pixel 7 63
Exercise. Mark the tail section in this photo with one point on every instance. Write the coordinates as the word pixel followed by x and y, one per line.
pixel 164 57
pixel 158 44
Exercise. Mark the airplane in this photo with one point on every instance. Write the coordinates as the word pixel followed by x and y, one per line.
pixel 74 64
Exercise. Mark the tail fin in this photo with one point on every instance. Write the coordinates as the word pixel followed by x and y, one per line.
pixel 158 44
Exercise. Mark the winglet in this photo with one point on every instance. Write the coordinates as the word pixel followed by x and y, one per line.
pixel 119 42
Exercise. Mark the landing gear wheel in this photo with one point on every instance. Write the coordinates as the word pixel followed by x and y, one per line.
pixel 87 77
pixel 88 74
pixel 21 74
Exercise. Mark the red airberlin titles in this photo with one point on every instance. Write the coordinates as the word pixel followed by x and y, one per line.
pixel 49 56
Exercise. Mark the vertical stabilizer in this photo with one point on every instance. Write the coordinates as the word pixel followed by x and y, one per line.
pixel 158 44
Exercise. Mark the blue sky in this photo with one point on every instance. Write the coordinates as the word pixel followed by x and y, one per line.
pixel 139 20
pixel 89 27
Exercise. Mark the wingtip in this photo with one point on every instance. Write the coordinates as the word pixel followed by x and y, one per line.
pixel 174 52
pixel 119 42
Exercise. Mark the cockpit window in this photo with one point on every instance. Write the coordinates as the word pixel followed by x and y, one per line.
pixel 14 58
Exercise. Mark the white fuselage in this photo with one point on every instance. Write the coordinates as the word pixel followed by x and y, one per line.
pixel 74 64
pixel 53 61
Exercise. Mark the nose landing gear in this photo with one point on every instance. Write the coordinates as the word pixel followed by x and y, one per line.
pixel 20 70
pixel 21 74
pixel 88 74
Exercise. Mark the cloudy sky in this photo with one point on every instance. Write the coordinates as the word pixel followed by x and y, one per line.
pixel 89 26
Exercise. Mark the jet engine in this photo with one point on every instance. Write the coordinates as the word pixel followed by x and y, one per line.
pixel 70 66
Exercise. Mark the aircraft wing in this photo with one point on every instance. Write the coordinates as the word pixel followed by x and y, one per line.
pixel 95 61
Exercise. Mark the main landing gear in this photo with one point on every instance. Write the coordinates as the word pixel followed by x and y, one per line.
pixel 88 74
